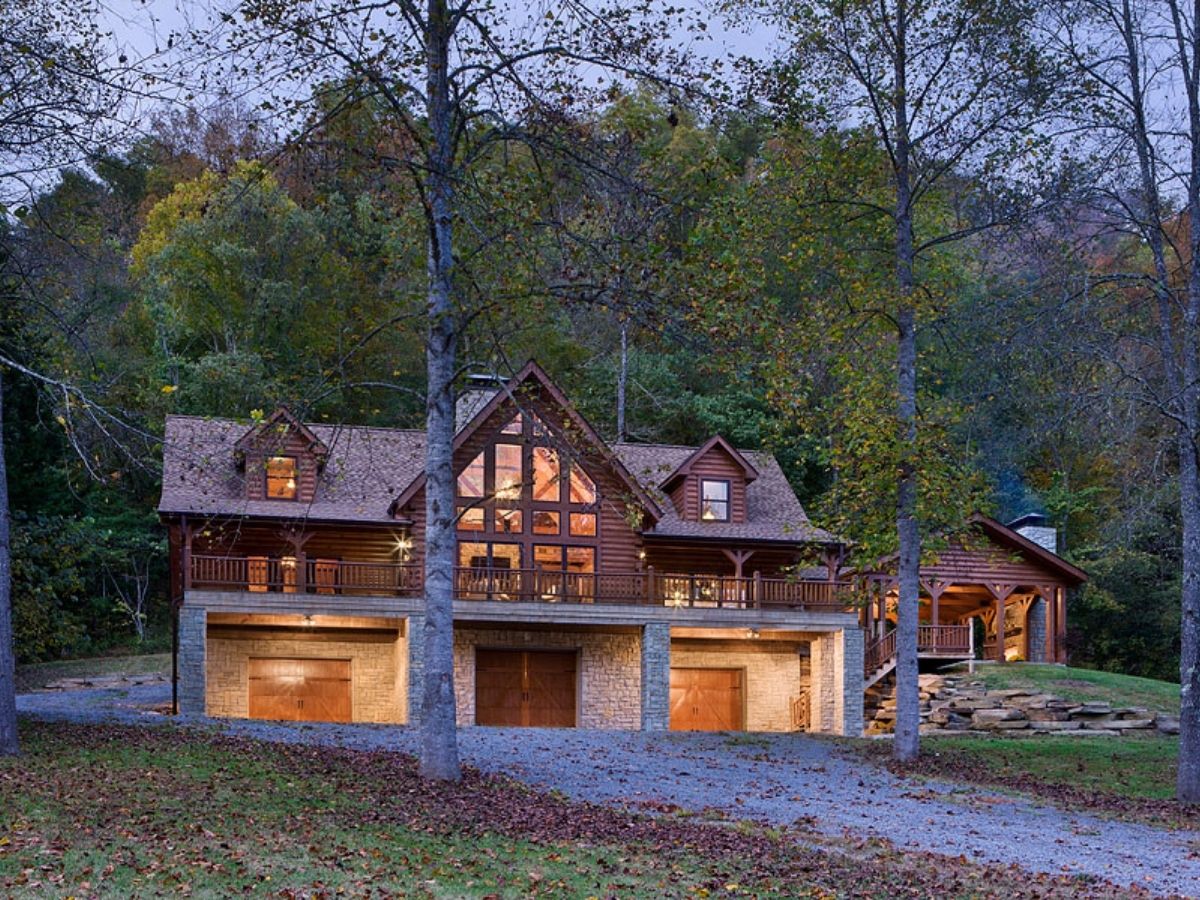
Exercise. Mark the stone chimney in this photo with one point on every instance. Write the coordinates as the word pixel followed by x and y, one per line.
pixel 479 390
pixel 1034 527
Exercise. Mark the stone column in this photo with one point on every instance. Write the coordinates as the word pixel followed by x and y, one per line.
pixel 852 682
pixel 1035 630
pixel 193 660
pixel 656 677
pixel 414 630
pixel 837 682
pixel 825 680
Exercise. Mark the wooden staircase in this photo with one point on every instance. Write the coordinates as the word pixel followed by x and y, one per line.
pixel 933 642
pixel 879 659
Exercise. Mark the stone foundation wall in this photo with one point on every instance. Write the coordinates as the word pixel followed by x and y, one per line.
pixel 610 677
pixel 774 677
pixel 377 673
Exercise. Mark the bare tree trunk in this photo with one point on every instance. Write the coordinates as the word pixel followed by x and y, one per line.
pixel 908 713
pixel 1185 16
pixel 1187 787
pixel 8 697
pixel 439 738
pixel 622 377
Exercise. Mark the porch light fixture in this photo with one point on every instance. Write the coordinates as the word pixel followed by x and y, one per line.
pixel 753 633
pixel 677 599
pixel 307 621
pixel 404 546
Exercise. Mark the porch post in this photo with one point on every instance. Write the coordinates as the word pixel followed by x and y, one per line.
pixel 1051 625
pixel 656 676
pixel 186 554
pixel 936 589
pixel 869 617
pixel 1060 654
pixel 1000 617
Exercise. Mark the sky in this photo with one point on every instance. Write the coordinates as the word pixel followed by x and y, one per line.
pixel 154 31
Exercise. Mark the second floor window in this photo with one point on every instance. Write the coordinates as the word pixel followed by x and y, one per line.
pixel 714 500
pixel 281 478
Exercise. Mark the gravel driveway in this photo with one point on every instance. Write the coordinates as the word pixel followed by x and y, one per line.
pixel 776 779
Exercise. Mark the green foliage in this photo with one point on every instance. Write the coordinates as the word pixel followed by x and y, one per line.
pixel 1126 619
pixel 789 277
pixel 63 601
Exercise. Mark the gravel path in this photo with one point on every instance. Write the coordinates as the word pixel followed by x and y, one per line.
pixel 777 779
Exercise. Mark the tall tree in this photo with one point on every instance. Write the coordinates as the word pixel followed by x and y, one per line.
pixel 54 91
pixel 948 89
pixel 456 81
pixel 1138 66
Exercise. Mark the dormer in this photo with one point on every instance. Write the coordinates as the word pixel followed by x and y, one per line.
pixel 281 458
pixel 710 485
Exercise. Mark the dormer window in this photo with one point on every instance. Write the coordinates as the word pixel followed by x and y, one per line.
pixel 281 478
pixel 714 500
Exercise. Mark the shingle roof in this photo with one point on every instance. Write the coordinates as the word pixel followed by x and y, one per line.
pixel 365 469
pixel 772 511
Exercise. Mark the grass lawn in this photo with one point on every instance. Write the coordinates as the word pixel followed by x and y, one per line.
pixel 1129 777
pixel 1083 684
pixel 116 811
pixel 38 675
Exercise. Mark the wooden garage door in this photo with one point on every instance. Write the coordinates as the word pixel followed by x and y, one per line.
pixel 300 690
pixel 525 687
pixel 706 700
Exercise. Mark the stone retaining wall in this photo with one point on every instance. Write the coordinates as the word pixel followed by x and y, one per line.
pixel 958 703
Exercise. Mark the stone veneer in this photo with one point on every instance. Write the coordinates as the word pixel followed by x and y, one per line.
pixel 774 677
pixel 1035 623
pixel 414 630
pixel 193 633
pixel 377 673
pixel 610 678
pixel 656 677
pixel 837 677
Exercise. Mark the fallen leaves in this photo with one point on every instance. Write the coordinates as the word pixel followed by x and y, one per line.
pixel 124 811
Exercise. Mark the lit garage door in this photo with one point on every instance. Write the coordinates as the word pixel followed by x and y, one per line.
pixel 706 700
pixel 300 690
pixel 525 687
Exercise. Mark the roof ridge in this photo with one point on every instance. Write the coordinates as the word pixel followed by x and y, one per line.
pixel 225 420
pixel 692 447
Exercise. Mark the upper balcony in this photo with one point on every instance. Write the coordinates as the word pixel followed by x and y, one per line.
pixel 261 574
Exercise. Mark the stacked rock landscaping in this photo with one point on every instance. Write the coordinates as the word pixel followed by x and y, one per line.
pixel 952 703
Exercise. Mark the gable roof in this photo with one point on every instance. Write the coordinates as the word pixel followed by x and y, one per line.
pixel 282 415
pixel 773 512
pixel 365 468
pixel 1002 534
pixel 369 470
pixel 532 372
pixel 716 441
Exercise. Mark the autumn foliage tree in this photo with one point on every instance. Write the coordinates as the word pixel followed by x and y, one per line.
pixel 947 89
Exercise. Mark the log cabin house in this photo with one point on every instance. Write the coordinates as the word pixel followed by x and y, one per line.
pixel 605 586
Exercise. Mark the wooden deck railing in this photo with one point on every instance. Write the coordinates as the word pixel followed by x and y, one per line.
pixel 932 640
pixel 648 587
pixel 947 640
